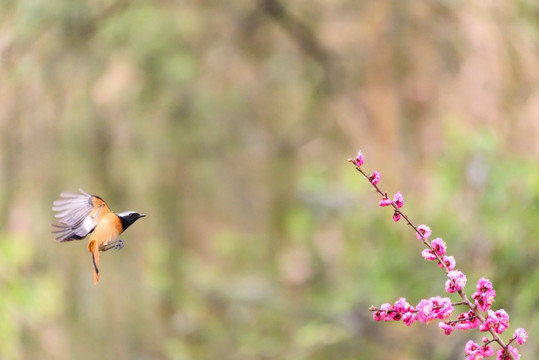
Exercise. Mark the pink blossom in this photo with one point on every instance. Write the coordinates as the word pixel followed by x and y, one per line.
pixel 410 317
pixel 467 321
pixel 359 159
pixel 450 286
pixel 484 339
pixel 476 355
pixel 487 351
pixel 484 296
pixel 400 310
pixel 503 321
pixel 388 310
pixel 398 200
pixel 472 351
pixel 470 347
pixel 374 177
pixel 423 232
pixel 401 305
pixel 385 201
pixel 449 261
pixel 520 335
pixel 424 311
pixel 447 328
pixel 484 300
pixel 439 246
pixel 502 355
pixel 456 281
pixel 442 307
pixel 396 216
pixel 483 285
pixel 467 325
pixel 498 321
pixel 382 313
pixel 475 352
pixel 428 254
pixel 434 308
pixel 488 297
pixel 377 316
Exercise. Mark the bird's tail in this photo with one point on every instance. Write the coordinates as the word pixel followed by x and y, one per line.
pixel 95 259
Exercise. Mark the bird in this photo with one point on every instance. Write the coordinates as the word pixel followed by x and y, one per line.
pixel 80 214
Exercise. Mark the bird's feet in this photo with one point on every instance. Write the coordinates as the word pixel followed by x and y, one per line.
pixel 117 245
pixel 120 244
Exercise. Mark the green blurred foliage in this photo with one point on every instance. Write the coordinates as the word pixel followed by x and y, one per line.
pixel 229 124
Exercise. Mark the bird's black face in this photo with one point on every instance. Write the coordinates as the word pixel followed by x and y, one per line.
pixel 128 218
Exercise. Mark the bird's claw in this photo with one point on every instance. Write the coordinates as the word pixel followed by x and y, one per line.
pixel 120 244
pixel 117 245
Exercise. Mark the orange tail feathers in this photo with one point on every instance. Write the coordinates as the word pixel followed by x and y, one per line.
pixel 95 259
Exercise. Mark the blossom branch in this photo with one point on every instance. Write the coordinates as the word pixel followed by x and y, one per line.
pixel 441 308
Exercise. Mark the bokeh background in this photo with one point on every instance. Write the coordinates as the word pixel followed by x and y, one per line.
pixel 230 124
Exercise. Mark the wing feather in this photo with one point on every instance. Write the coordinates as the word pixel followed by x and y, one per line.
pixel 77 214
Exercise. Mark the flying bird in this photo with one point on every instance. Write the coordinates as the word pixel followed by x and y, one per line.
pixel 80 214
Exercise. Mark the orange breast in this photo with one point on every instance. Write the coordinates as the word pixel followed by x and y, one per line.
pixel 106 231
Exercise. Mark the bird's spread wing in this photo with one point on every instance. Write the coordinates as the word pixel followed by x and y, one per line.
pixel 77 214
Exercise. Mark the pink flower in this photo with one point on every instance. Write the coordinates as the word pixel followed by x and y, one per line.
pixel 456 282
pixel 467 321
pixel 374 177
pixel 378 316
pixel 464 325
pixel 434 308
pixel 484 296
pixel 470 347
pixel 442 307
pixel 447 328
pixel 424 311
pixel 385 201
pixel 488 297
pixel 483 285
pixel 502 355
pixel 475 352
pixel 472 351
pixel 359 159
pixel 449 261
pixel 396 216
pixel 484 300
pixel 388 310
pixel 423 232
pixel 520 335
pixel 439 246
pixel 398 200
pixel 410 317
pixel 401 305
pixel 450 286
pixel 498 321
pixel 503 321
pixel 487 351
pixel 428 254
pixel 383 314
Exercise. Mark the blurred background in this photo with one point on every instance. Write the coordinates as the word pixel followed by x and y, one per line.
pixel 230 125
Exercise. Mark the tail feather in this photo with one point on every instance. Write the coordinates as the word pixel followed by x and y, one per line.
pixel 96 269
pixel 95 259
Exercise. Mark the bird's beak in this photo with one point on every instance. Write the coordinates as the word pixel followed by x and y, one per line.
pixel 141 215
